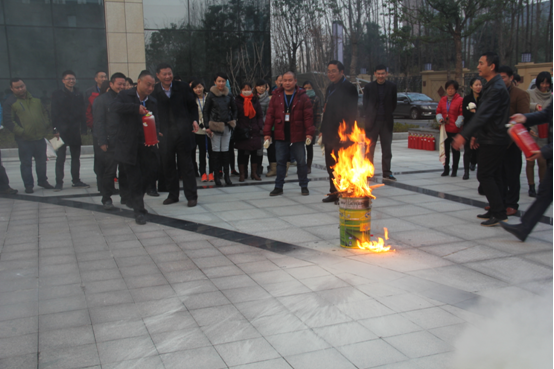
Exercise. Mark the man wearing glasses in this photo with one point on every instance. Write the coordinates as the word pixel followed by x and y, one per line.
pixel 68 120
pixel 341 104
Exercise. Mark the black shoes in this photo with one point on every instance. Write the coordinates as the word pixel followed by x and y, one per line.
pixel 108 205
pixel 305 191
pixel 492 222
pixel 80 184
pixel 29 190
pixel 8 191
pixel 59 187
pixel 389 178
pixel 170 201
pixel 487 215
pixel 454 172
pixel 331 198
pixel 466 174
pixel 140 219
pixel 46 186
pixel 446 171
pixel 472 167
pixel 152 193
pixel 516 230
pixel 532 192
pixel 192 203
pixel 276 192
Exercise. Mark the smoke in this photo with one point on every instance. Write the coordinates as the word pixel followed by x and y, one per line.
pixel 517 336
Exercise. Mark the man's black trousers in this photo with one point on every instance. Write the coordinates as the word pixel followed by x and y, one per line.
pixel 544 198
pixel 174 147
pixel 106 170
pixel 511 172
pixel 489 175
pixel 138 176
pixel 380 129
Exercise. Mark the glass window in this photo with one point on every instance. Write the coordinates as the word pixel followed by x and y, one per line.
pixel 28 12
pixel 4 65
pixel 31 51
pixel 79 13
pixel 42 88
pixel 1 13
pixel 81 50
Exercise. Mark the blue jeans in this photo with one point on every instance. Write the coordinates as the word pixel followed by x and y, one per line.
pixel 27 151
pixel 284 149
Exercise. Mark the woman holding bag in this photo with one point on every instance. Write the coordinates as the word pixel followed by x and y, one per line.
pixel 203 143
pixel 220 112
pixel 248 133
pixel 449 113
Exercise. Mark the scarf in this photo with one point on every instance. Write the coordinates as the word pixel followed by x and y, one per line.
pixel 249 110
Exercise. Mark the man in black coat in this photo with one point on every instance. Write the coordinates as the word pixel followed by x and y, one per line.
pixel 489 126
pixel 178 117
pixel 104 131
pixel 135 158
pixel 341 104
pixel 379 104
pixel 544 198
pixel 69 122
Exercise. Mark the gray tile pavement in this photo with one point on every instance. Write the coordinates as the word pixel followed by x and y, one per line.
pixel 89 289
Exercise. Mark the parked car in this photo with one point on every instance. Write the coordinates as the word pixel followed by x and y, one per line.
pixel 415 105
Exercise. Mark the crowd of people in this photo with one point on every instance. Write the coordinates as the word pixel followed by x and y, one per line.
pixel 286 120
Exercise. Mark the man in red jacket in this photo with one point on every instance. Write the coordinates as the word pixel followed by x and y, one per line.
pixel 290 114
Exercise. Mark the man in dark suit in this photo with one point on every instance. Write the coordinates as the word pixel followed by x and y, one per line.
pixel 379 104
pixel 135 158
pixel 68 120
pixel 341 104
pixel 178 117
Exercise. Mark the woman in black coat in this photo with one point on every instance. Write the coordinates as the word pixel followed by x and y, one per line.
pixel 470 155
pixel 250 121
pixel 220 113
pixel 308 86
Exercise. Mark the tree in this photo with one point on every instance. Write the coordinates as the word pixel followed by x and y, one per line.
pixel 452 19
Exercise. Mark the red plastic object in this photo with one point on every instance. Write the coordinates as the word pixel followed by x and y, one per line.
pixel 523 139
pixel 433 143
pixel 543 130
pixel 149 125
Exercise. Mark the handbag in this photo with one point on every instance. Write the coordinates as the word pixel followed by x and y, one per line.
pixel 216 126
pixel 242 134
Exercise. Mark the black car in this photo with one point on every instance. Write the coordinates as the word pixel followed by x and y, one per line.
pixel 415 105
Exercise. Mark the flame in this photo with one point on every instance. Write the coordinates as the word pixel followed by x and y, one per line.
pixel 376 246
pixel 353 168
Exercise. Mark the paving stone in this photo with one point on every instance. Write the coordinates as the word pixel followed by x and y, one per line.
pixel 247 351
pixel 324 359
pixel 200 358
pixel 358 354
pixel 418 344
pixel 18 345
pixel 67 337
pixel 68 319
pixel 28 361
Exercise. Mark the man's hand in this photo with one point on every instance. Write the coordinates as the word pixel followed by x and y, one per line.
pixel 160 134
pixel 143 110
pixel 473 144
pixel 57 135
pixel 104 148
pixel 518 118
pixel 209 132
pixel 308 136
pixel 458 141
pixel 539 107
pixel 533 133
pixel 267 138
pixel 536 155
pixel 320 135
pixel 195 126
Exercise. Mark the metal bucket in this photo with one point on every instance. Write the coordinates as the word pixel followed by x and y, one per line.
pixel 355 220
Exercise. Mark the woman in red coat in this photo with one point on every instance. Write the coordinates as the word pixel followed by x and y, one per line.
pixel 449 113
pixel 251 120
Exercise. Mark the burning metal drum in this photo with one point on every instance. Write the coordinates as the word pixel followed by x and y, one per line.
pixel 355 220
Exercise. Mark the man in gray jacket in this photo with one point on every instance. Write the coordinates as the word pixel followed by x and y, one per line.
pixel 105 129
pixel 489 126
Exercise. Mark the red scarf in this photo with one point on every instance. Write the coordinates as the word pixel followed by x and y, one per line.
pixel 249 110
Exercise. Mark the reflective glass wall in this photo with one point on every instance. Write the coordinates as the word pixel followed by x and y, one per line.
pixel 39 39
pixel 202 37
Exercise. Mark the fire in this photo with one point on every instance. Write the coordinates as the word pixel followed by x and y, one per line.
pixel 353 168
pixel 376 246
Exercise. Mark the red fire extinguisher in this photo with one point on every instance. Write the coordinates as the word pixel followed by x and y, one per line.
pixel 433 143
pixel 149 125
pixel 523 139
pixel 430 143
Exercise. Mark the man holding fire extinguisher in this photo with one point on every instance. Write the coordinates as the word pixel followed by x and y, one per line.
pixel 136 158
pixel 544 197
